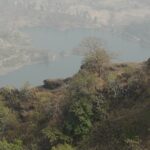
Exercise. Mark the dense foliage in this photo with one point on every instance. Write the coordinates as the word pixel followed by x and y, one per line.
pixel 104 106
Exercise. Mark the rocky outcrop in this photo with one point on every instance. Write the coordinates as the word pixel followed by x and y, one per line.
pixel 53 84
pixel 148 63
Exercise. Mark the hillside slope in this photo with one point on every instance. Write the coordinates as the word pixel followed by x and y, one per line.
pixel 96 109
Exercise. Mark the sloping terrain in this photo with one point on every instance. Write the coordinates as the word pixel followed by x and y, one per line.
pixel 106 109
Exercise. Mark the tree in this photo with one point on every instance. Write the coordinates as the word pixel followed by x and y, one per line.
pixel 96 57
pixel 87 45
pixel 96 61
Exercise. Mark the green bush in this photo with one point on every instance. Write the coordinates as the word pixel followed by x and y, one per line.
pixel 85 105
pixel 63 147
pixel 14 97
pixel 17 145
pixel 79 120
pixel 55 136
pixel 7 118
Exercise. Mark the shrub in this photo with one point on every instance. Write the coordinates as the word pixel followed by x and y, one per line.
pixel 63 147
pixel 55 136
pixel 17 145
pixel 14 97
pixel 7 118
pixel 85 105
pixel 97 61
pixel 134 144
pixel 79 120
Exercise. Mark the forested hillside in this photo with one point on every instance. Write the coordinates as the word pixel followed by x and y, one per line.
pixel 105 106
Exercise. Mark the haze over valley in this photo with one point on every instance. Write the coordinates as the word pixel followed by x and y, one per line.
pixel 48 31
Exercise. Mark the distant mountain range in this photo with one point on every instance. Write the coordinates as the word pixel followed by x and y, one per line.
pixel 74 13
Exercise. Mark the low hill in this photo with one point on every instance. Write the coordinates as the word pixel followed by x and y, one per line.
pixel 105 106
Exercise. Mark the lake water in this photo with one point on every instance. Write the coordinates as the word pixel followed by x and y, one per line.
pixel 56 41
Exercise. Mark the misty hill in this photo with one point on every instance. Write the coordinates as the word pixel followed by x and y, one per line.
pixel 105 106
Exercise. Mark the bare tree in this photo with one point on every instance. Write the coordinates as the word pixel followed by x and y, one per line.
pixel 87 45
